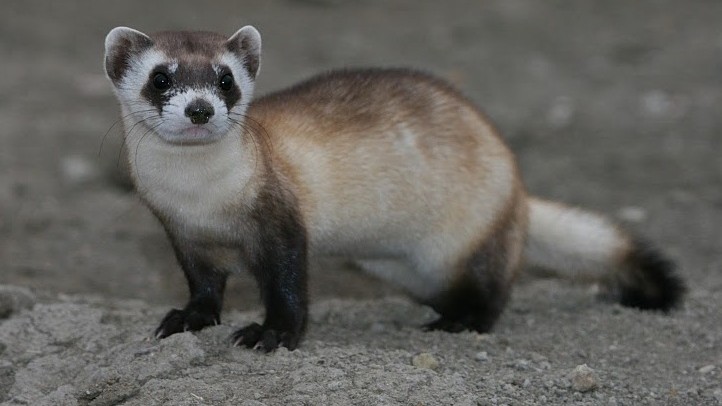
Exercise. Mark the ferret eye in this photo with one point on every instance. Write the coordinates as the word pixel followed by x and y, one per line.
pixel 161 81
pixel 226 82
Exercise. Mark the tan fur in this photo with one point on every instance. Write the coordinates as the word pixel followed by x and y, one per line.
pixel 406 169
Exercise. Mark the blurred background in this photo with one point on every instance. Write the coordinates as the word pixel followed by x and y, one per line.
pixel 613 105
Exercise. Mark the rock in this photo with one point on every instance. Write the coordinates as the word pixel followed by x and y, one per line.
pixel 521 365
pixel 481 356
pixel 706 369
pixel 425 360
pixel 584 379
pixel 14 299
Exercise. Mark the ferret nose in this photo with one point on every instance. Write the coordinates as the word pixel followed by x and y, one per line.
pixel 199 111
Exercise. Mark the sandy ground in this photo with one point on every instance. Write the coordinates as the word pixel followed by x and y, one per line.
pixel 610 105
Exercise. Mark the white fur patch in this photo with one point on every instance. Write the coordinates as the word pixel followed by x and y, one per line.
pixel 578 243
pixel 192 184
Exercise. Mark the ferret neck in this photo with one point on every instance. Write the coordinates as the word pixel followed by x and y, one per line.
pixel 168 176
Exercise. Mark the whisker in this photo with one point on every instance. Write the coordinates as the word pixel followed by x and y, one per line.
pixel 261 131
pixel 120 152
pixel 258 128
pixel 102 142
pixel 137 146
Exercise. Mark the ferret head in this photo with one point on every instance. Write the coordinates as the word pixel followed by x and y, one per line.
pixel 189 88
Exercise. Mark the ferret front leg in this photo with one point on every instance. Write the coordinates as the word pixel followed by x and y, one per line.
pixel 280 267
pixel 206 282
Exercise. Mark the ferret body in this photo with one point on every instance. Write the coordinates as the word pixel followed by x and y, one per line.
pixel 391 167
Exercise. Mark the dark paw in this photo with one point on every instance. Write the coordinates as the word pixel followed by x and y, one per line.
pixel 178 321
pixel 458 325
pixel 448 325
pixel 264 338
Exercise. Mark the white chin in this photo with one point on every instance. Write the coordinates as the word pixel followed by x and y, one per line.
pixel 196 135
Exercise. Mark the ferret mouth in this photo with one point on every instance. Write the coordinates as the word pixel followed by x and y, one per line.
pixel 196 132
pixel 192 135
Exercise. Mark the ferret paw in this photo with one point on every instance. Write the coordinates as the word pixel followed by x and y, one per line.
pixel 444 324
pixel 264 338
pixel 178 321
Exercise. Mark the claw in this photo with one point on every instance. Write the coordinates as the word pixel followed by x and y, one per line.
pixel 238 341
pixel 189 319
pixel 262 338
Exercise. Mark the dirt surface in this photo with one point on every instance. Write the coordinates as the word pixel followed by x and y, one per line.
pixel 610 105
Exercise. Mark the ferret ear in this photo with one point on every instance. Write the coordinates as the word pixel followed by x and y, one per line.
pixel 246 45
pixel 121 44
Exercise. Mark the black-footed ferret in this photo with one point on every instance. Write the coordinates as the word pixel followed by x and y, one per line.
pixel 391 167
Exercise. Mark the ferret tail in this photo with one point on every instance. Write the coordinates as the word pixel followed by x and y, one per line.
pixel 585 246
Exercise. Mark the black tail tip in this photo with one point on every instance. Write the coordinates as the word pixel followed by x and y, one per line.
pixel 651 281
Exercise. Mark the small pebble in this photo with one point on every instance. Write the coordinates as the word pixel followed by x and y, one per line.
pixel 706 369
pixel 584 379
pixel 425 360
pixel 481 356
pixel 521 365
